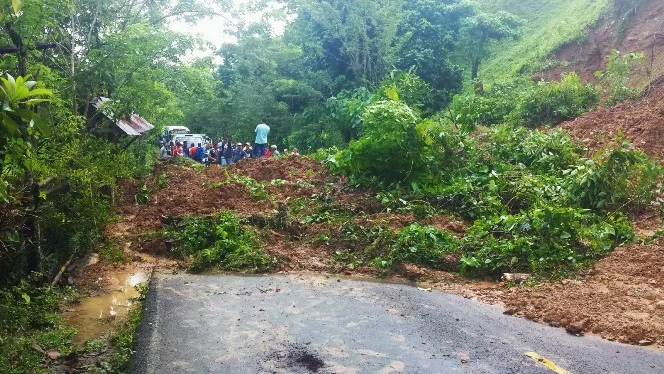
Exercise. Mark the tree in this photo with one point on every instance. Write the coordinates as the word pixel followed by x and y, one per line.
pixel 431 29
pixel 480 29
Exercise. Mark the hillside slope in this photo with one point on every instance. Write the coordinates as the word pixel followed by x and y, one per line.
pixel 549 25
pixel 642 32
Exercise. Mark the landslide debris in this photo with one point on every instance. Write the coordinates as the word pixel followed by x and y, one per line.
pixel 621 298
pixel 641 120
pixel 324 226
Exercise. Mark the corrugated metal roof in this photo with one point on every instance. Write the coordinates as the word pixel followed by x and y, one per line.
pixel 136 123
pixel 134 126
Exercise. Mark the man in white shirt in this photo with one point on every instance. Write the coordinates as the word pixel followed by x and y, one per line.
pixel 260 145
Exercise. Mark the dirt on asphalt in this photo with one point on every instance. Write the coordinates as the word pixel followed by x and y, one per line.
pixel 621 298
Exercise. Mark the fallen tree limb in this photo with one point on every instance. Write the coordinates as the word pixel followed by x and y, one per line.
pixel 62 271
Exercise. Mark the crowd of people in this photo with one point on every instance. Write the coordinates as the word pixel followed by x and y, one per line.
pixel 225 152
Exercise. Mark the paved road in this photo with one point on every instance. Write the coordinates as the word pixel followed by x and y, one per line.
pixel 304 324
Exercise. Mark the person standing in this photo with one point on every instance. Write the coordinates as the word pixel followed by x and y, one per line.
pixel 228 153
pixel 163 153
pixel 192 151
pixel 260 145
pixel 238 153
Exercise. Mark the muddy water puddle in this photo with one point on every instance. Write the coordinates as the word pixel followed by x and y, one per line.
pixel 98 315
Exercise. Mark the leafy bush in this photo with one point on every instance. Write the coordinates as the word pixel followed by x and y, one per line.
pixel 220 241
pixel 550 103
pixel 614 80
pixel 525 103
pixel 619 178
pixel 393 149
pixel 420 245
pixel 541 240
pixel 28 318
pixel 485 108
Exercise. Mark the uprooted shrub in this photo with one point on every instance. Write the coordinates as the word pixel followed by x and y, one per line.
pixel 425 246
pixel 392 150
pixel 547 239
pixel 221 241
pixel 620 178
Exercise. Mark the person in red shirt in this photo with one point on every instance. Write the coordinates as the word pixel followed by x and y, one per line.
pixel 267 153
pixel 192 151
pixel 176 150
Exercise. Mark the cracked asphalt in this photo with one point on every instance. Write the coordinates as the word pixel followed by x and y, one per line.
pixel 318 324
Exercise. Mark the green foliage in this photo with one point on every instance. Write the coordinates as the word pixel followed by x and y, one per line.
pixel 29 318
pixel 220 241
pixel 525 103
pixel 481 28
pixel 614 80
pixel 541 240
pixel 619 178
pixel 486 108
pixel 537 203
pixel 551 103
pixel 420 245
pixel 392 148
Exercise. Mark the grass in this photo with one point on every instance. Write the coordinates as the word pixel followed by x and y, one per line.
pixel 549 24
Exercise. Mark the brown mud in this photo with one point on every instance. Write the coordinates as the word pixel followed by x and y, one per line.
pixel 641 121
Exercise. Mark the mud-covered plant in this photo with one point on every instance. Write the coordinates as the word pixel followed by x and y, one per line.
pixel 420 245
pixel 614 80
pixel 620 178
pixel 220 241
pixel 257 190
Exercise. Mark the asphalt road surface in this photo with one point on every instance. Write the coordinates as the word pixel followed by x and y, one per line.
pixel 315 324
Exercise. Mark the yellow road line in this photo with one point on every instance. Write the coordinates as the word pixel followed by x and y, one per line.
pixel 548 363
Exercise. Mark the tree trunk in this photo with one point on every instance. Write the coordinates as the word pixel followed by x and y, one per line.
pixel 475 68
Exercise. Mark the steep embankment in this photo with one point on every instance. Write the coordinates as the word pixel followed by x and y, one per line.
pixel 549 24
pixel 639 31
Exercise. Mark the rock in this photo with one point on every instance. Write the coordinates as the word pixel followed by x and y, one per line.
pixel 510 311
pixel 576 328
pixel 660 305
pixel 645 342
pixel 515 277
pixel 52 354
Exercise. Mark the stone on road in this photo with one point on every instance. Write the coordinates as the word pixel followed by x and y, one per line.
pixel 315 324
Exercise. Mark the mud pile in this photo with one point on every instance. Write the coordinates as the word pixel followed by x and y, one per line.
pixel 621 298
pixel 642 121
pixel 292 169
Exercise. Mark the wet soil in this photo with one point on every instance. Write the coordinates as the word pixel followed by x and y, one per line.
pixel 621 298
pixel 642 121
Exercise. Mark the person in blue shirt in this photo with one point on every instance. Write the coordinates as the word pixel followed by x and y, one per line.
pixel 238 153
pixel 200 153
pixel 260 145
